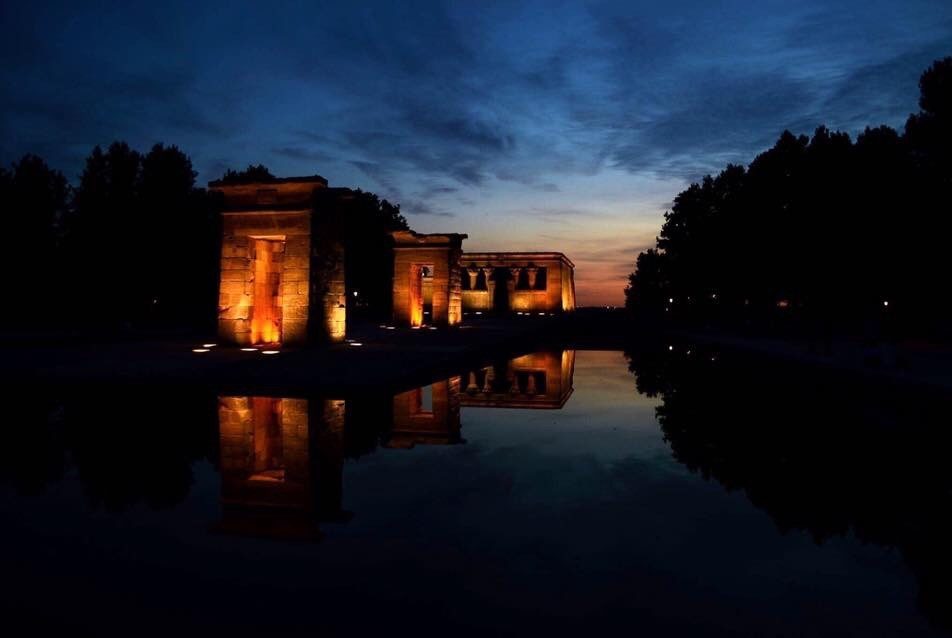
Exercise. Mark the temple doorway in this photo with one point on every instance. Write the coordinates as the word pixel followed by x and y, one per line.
pixel 268 258
pixel 421 283
pixel 267 438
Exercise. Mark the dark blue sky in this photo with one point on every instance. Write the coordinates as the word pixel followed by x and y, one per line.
pixel 550 125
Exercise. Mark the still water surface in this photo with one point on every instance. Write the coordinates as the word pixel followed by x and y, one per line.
pixel 654 493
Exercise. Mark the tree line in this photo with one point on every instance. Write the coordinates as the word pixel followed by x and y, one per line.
pixel 819 232
pixel 135 245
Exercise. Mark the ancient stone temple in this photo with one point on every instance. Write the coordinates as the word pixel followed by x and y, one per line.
pixel 427 282
pixel 282 270
pixel 518 282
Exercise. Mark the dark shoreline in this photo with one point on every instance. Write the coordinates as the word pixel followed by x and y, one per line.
pixel 399 359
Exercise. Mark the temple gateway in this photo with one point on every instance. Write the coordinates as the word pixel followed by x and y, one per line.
pixel 282 269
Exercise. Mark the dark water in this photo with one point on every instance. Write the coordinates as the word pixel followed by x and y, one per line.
pixel 661 492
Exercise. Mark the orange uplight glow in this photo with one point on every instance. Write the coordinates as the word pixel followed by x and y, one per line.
pixel 266 311
pixel 416 296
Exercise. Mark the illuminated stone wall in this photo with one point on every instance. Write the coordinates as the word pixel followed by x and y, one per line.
pixel 329 317
pixel 270 245
pixel 441 254
pixel 277 285
pixel 533 282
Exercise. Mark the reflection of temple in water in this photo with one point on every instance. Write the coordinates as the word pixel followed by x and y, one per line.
pixel 282 459
pixel 537 380
pixel 281 463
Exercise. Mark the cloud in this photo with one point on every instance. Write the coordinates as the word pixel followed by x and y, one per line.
pixel 509 117
pixel 719 118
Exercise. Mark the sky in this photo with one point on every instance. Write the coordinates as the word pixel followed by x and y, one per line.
pixel 564 126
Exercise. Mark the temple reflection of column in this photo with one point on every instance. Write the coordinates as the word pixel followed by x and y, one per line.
pixel 426 415
pixel 281 465
pixel 537 380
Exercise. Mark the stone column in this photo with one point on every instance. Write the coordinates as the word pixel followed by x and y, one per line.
pixel 490 379
pixel 473 274
pixel 511 285
pixel 533 276
pixel 471 386
pixel 531 383
pixel 490 284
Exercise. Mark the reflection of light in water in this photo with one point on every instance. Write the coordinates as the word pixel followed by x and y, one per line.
pixel 356 343
pixel 249 349
pixel 200 350
pixel 270 351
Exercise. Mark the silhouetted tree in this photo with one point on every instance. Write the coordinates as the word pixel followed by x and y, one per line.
pixel 818 232
pixel 141 242
pixel 180 277
pixel 103 236
pixel 251 175
pixel 366 224
pixel 34 200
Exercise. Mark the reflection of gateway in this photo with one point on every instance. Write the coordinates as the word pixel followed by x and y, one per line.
pixel 538 380
pixel 281 462
pixel 427 415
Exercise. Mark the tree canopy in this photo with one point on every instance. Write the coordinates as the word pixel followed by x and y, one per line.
pixel 252 174
pixel 823 229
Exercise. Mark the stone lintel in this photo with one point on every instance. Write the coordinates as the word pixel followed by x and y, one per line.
pixel 504 259
pixel 411 239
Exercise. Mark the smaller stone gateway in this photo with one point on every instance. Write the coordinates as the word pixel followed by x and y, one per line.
pixel 426 273
pixel 518 282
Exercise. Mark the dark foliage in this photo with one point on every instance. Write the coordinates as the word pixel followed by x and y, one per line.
pixel 251 175
pixel 820 232
pixel 34 201
pixel 365 225
pixel 142 241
